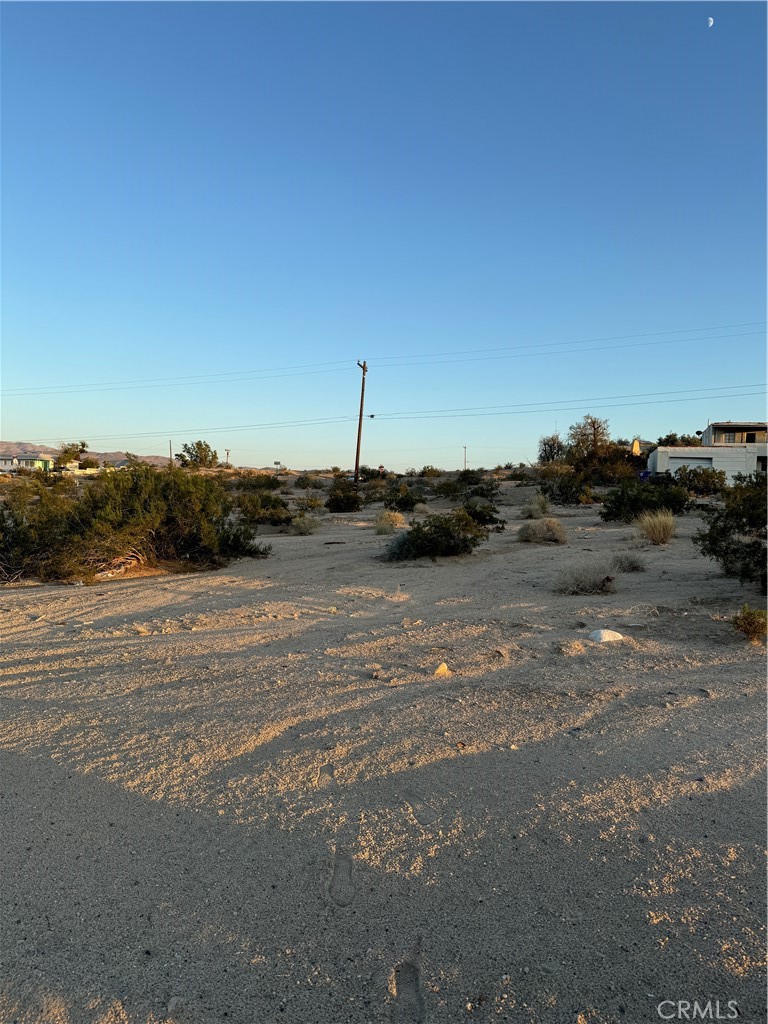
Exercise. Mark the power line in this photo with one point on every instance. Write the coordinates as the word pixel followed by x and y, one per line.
pixel 447 413
pixel 410 359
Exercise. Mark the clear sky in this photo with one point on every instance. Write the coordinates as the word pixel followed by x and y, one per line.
pixel 517 213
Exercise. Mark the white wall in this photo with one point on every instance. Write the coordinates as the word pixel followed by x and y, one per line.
pixel 731 458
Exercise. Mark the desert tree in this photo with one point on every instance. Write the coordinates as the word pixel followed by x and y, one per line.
pixel 197 455
pixel 552 448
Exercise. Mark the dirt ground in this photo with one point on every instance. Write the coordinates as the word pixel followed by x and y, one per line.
pixel 244 797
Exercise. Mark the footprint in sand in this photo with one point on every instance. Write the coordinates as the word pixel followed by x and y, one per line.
pixel 341 887
pixel 325 774
pixel 421 811
pixel 408 1007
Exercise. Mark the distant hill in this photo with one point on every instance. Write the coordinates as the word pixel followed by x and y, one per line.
pixel 17 448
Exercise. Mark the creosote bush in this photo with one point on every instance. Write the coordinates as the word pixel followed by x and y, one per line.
pixel 309 503
pixel 752 622
pixel 453 533
pixel 736 531
pixel 656 527
pixel 536 508
pixel 484 512
pixel 543 531
pixel 633 497
pixel 305 482
pixel 401 499
pixel 343 497
pixel 625 561
pixel 585 578
pixel 140 513
pixel 389 521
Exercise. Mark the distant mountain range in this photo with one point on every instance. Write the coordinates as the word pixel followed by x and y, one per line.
pixel 9 449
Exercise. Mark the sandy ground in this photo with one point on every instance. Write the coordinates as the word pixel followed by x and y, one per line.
pixel 244 796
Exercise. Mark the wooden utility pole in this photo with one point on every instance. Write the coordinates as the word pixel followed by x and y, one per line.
pixel 364 367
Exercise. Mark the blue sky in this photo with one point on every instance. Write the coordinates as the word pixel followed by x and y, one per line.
pixel 517 213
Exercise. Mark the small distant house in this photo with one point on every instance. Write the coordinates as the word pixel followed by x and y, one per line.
pixel 732 446
pixel 10 463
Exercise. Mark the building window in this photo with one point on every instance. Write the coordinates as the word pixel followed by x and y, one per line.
pixel 751 438
pixel 729 437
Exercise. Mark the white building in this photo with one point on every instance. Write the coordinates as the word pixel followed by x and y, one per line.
pixel 732 446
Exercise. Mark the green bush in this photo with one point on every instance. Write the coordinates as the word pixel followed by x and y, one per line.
pixel 308 504
pixel 305 482
pixel 55 532
pixel 701 480
pixel 454 533
pixel 736 531
pixel 562 485
pixel 343 497
pixel 752 622
pixel 430 472
pixel 401 499
pixel 484 513
pixel 262 508
pixel 633 497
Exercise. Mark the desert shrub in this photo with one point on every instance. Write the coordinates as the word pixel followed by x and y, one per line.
pixel 343 497
pixel 453 533
pixel 469 477
pixel 303 525
pixel 657 527
pixel 633 497
pixel 430 472
pixel 253 482
pixel 421 507
pixel 262 508
pixel 388 522
pixel 736 531
pixel 701 480
pixel 625 561
pixel 401 499
pixel 305 482
pixel 57 533
pixel 561 484
pixel 309 503
pixel 543 531
pixel 484 513
pixel 373 490
pixel 585 578
pixel 752 622
pixel 448 489
pixel 536 508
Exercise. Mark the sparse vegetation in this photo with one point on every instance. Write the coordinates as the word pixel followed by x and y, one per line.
pixel 400 498
pixel 543 531
pixel 453 533
pixel 736 531
pixel 138 516
pixel 305 482
pixel 251 480
pixel 752 622
pixel 657 527
pixel 633 497
pixel 585 578
pixel 309 503
pixel 303 525
pixel 701 480
pixel 389 521
pixel 536 508
pixel 625 561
